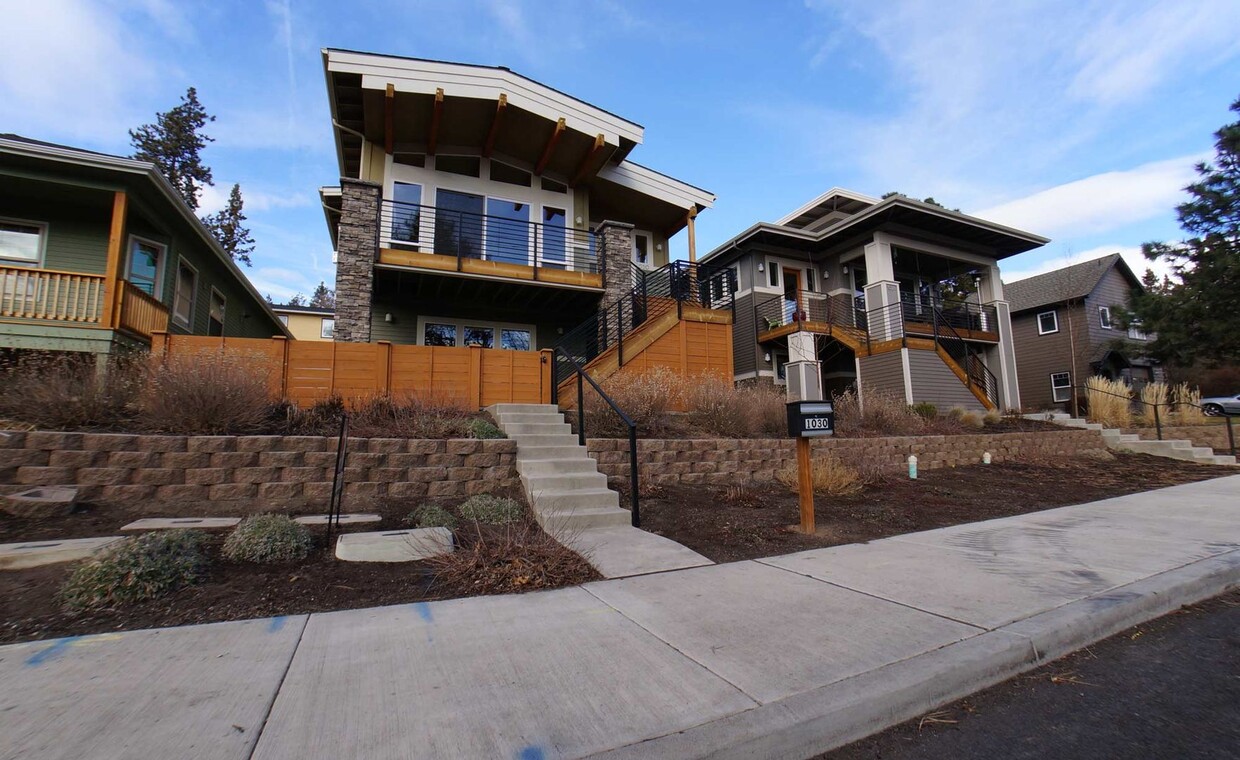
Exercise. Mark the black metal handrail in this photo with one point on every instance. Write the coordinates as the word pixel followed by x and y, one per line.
pixel 582 378
pixel 975 370
pixel 962 315
pixel 467 235
pixel 779 311
pixel 1135 398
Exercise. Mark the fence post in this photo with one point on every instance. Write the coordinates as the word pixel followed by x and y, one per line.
pixel 475 377
pixel 1157 422
pixel 1231 436
pixel 280 354
pixel 546 376
pixel 385 362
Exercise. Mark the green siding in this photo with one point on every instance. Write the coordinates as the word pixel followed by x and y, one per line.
pixel 77 237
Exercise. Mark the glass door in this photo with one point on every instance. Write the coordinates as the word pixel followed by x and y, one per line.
pixel 554 254
pixel 458 224
pixel 508 231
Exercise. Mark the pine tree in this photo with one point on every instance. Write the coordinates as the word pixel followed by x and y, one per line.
pixel 297 300
pixel 323 297
pixel 1195 315
pixel 174 143
pixel 228 227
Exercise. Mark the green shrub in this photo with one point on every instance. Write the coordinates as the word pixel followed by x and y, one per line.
pixel 137 569
pixel 432 516
pixel 925 410
pixel 480 428
pixel 486 508
pixel 268 538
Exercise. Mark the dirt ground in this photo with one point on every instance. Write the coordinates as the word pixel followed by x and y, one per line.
pixel 728 524
pixel 240 590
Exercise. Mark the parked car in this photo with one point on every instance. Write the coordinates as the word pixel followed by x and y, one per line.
pixel 1218 405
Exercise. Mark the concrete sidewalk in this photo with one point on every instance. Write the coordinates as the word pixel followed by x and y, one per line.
pixel 783 657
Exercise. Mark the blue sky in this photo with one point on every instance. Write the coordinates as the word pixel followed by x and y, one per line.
pixel 1076 120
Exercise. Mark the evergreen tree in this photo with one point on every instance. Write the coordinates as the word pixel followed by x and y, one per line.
pixel 297 300
pixel 228 227
pixel 174 143
pixel 323 297
pixel 1195 315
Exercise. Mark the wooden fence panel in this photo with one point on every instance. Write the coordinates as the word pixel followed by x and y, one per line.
pixel 308 373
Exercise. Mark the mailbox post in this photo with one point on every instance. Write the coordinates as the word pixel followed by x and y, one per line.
pixel 806 420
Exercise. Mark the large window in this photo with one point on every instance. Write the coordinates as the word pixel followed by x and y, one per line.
pixel 449 331
pixel 458 224
pixel 146 262
pixel 483 337
pixel 514 340
pixel 508 231
pixel 437 334
pixel 1048 322
pixel 1061 386
pixel 186 294
pixel 554 238
pixel 215 316
pixel 406 213
pixel 21 243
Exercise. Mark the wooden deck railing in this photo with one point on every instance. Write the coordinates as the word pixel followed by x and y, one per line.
pixel 140 313
pixel 27 293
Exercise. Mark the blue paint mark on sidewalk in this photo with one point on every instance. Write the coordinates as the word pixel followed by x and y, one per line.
pixel 51 652
pixel 277 623
pixel 424 611
pixel 532 752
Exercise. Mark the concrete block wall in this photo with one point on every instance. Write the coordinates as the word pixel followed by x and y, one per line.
pixel 266 471
pixel 736 461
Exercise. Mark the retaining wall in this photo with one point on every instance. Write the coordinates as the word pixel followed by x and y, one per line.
pixel 733 461
pixel 270 471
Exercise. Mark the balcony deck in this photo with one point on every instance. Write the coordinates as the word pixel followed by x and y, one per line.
pixel 57 300
pixel 450 264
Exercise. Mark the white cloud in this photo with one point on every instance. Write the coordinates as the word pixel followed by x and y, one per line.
pixel 281 284
pixel 1100 203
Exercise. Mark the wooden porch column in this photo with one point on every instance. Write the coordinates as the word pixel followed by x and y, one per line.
pixel 116 242
pixel 692 236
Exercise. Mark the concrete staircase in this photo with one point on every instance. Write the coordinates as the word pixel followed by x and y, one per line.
pixel 572 502
pixel 1121 441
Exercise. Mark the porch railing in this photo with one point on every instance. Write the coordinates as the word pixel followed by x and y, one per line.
pixel 964 315
pixel 977 374
pixel 466 235
pixel 27 293
pixel 782 310
pixel 141 313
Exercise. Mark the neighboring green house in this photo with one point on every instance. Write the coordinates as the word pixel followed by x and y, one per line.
pixel 99 252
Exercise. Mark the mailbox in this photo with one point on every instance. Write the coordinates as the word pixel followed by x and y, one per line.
pixel 810 419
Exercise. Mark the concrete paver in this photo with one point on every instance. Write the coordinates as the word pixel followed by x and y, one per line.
pixel 553 674
pixel 193 692
pixel 394 545
pixel 169 523
pixel 620 551
pixel 25 554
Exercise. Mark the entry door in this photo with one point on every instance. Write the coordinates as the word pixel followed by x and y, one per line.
pixel 793 307
pixel 458 224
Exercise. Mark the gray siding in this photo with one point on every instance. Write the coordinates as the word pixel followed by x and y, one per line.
pixel 745 346
pixel 884 372
pixel 1039 356
pixel 934 382
pixel 1112 290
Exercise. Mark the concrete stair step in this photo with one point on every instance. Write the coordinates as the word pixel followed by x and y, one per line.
pixel 544 439
pixel 535 484
pixel 527 417
pixel 1224 459
pixel 543 453
pixel 578 498
pixel 564 466
pixel 566 521
pixel 521 429
pixel 497 409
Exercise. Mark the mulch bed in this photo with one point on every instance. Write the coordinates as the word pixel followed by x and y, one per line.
pixel 728 524
pixel 239 590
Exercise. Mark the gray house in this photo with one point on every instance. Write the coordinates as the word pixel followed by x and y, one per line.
pixel 1065 329
pixel 893 294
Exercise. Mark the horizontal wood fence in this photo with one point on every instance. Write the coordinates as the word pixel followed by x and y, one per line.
pixel 308 371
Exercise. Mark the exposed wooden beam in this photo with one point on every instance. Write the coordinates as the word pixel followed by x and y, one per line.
pixel 500 107
pixel 692 237
pixel 588 160
pixel 432 139
pixel 550 147
pixel 116 250
pixel 389 119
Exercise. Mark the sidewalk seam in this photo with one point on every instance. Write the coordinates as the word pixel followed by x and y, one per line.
pixel 279 687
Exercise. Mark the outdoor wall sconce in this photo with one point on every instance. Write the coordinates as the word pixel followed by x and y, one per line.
pixel 767 357
pixel 578 220
pixel 387 317
pixel 844 269
pixel 658 246
pixel 761 267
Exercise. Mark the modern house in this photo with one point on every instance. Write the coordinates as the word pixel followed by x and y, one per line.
pixel 99 252
pixel 1066 329
pixel 890 294
pixel 477 207
pixel 307 322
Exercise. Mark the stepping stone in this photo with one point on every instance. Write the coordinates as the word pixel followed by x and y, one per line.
pixel 35 553
pixel 394 545
pixel 41 502
pixel 167 523
pixel 344 519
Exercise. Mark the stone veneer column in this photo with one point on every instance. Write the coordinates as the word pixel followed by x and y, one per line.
pixel 357 248
pixel 615 245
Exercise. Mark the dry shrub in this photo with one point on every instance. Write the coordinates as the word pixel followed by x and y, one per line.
pixel 967 418
pixel 66 391
pixel 1109 402
pixel 831 476
pixel 741 496
pixel 882 413
pixel 992 417
pixel 720 408
pixel 646 397
pixel 1187 402
pixel 509 559
pixel 209 393
pixel 1152 394
pixel 407 416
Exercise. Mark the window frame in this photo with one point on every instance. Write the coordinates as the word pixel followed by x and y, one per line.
pixel 40 254
pixel 324 333
pixel 161 265
pixel 187 323
pixel 1135 332
pixel 1055 389
pixel 1104 318
pixel 1054 315
pixel 223 309
pixel 459 324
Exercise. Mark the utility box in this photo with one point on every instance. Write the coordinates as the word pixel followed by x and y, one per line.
pixel 810 419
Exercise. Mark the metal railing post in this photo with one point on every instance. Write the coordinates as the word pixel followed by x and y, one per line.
pixel 1231 436
pixel 1157 422
pixel 581 411
pixel 633 489
pixel 620 329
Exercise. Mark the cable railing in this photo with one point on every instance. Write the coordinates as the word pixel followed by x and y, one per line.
pixel 468 235
pixel 977 374
pixel 963 315
pixel 782 310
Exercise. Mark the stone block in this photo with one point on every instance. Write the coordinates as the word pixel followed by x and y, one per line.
pixel 257 443
pixel 208 476
pixel 482 460
pixel 304 443
pixel 463 473
pixel 126 493
pixel 46 476
pixel 406 461
pixel 234 459
pixel 109 441
pixel 462 446
pixel 498 446
pixel 365 490
pixel 444 460
pixel 13 439
pixel 316 492
pixel 232 491
pixel 210 444
pixel 131 459
pixel 426 446
pixel 41 502
pixel 184 460
pixel 181 492
pixel 386 446
pixel 160 443
pixel 387 474
pixel 407 490
pixel 300 475
pixel 256 475
pixel 45 440
pixel 444 488
pixel 26 457
pixel 281 458
pixel 325 459
pixel 279 491
pixel 158 476
pixel 365 460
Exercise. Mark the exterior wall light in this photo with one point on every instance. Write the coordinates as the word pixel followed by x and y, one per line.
pixel 767 357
